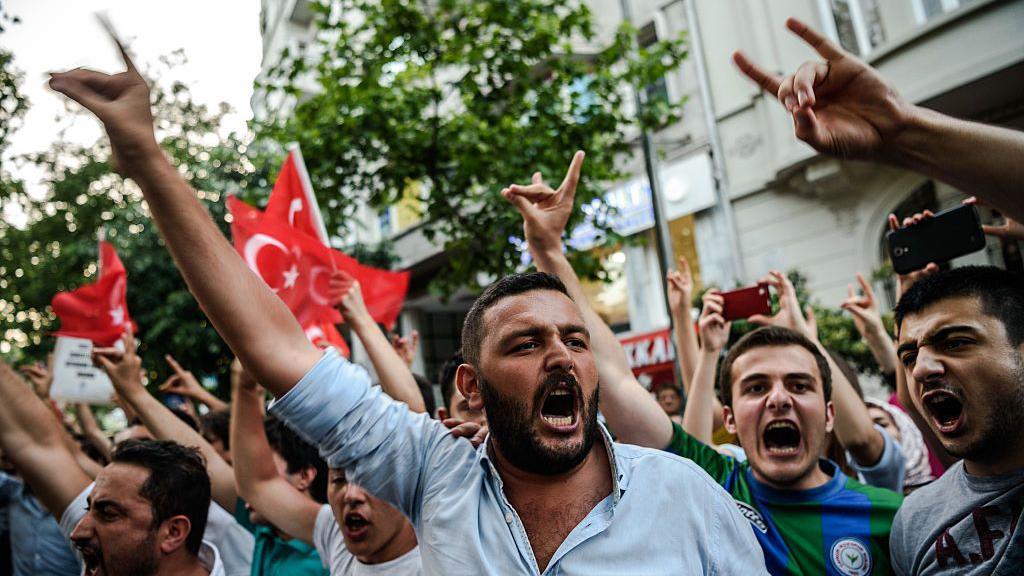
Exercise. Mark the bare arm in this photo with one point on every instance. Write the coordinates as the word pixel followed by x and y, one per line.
pixel 32 439
pixel 679 285
pixel 395 377
pixel 123 369
pixel 259 328
pixel 185 383
pixel 699 416
pixel 868 320
pixel 257 479
pixel 632 413
pixel 843 107
pixel 853 425
pixel 91 429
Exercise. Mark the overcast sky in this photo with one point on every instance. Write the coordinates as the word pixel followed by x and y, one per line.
pixel 220 39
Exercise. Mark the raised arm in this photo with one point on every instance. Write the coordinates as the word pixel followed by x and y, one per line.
pixel 868 320
pixel 123 369
pixel 256 477
pixel 853 425
pixel 31 439
pixel 258 327
pixel 632 413
pixel 699 416
pixel 843 107
pixel 395 377
pixel 679 284
pixel 91 429
pixel 183 382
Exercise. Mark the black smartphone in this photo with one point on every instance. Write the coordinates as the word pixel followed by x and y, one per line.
pixel 946 235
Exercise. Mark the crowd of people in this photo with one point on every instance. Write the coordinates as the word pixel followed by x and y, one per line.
pixel 547 455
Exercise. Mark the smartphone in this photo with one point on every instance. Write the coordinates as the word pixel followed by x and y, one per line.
pixel 947 235
pixel 745 302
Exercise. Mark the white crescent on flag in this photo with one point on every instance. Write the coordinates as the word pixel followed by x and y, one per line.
pixel 253 248
pixel 317 297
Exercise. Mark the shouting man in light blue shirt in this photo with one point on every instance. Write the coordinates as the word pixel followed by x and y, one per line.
pixel 548 493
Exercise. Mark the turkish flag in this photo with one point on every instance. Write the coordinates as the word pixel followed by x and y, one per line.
pixel 97 311
pixel 323 333
pixel 383 290
pixel 292 199
pixel 294 265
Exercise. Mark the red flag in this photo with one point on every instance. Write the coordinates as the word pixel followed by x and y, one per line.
pixel 323 333
pixel 383 290
pixel 292 199
pixel 294 265
pixel 97 311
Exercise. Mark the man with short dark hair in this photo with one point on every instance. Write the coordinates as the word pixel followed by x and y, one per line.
pixel 143 516
pixel 961 339
pixel 455 404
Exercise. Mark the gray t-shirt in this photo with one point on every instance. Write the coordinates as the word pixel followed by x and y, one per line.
pixel 961 524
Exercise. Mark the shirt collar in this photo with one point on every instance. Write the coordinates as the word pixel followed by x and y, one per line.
pixel 817 494
pixel 620 481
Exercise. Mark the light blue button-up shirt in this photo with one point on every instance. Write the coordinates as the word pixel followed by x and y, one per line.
pixel 663 516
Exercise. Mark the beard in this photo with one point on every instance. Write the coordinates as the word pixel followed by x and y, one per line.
pixel 142 562
pixel 1003 423
pixel 513 425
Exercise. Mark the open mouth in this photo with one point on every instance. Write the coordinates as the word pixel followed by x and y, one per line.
pixel 356 526
pixel 91 560
pixel 781 438
pixel 560 407
pixel 946 410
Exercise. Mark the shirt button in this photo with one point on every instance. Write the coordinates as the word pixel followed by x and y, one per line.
pixel 508 517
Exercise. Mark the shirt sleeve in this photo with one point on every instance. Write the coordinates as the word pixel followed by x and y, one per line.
pixel 890 469
pixel 381 445
pixel 327 536
pixel 897 546
pixel 232 540
pixel 736 550
pixel 717 465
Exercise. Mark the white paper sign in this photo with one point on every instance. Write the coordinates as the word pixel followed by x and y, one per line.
pixel 75 378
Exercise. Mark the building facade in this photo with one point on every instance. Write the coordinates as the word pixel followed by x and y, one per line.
pixel 741 195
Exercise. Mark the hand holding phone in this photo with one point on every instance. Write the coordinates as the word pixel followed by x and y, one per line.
pixel 939 238
pixel 746 302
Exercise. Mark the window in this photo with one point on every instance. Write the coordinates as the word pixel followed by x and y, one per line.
pixel 855 24
pixel 610 299
pixel 925 10
pixel 647 37
pixel 442 334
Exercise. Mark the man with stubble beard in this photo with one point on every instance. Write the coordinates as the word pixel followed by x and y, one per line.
pixel 961 336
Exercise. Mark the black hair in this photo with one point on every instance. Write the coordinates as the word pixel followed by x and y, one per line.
pixel 298 455
pixel 217 425
pixel 177 485
pixel 447 377
pixel 1001 294
pixel 473 328
pixel 773 336
pixel 427 392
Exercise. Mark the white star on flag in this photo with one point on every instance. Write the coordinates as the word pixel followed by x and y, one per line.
pixel 117 316
pixel 290 276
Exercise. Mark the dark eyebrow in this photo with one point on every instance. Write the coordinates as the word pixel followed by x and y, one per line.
pixel 98 504
pixel 538 331
pixel 938 336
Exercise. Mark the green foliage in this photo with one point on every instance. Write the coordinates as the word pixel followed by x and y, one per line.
pixel 462 97
pixel 57 249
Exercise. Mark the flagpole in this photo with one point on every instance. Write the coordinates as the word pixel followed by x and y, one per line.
pixel 101 236
pixel 307 191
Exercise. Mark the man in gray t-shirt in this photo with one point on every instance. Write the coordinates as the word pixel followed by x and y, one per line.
pixel 961 339
pixel 961 524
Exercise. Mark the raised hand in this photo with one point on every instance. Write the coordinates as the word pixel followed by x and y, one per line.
pixel 122 366
pixel 182 382
pixel 120 101
pixel 406 346
pixel 1009 229
pixel 545 210
pixel 868 320
pixel 40 376
pixel 789 314
pixel 905 281
pixel 714 330
pixel 680 287
pixel 841 106
pixel 344 291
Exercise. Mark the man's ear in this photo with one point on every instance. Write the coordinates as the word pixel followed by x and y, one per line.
pixel 304 479
pixel 468 382
pixel 830 416
pixel 174 532
pixel 729 419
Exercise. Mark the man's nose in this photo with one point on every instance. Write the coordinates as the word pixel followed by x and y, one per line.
pixel 927 366
pixel 779 398
pixel 559 358
pixel 83 530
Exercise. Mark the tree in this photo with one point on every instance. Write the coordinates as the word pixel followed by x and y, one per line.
pixel 450 101
pixel 13 104
pixel 57 249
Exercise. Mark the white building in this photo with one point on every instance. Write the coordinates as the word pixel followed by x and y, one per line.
pixel 769 202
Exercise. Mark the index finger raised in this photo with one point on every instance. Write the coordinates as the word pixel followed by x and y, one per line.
pixel 572 177
pixel 108 27
pixel 768 82
pixel 822 45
